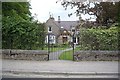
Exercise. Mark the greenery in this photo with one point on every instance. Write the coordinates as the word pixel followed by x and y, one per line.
pixel 56 47
pixel 68 55
pixel 99 39
pixel 19 30
pixel 106 12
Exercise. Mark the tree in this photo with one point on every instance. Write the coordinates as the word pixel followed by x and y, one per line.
pixel 19 31
pixel 106 12
pixel 21 8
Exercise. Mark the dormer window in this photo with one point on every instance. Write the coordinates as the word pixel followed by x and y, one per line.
pixel 73 30
pixel 49 29
pixel 64 31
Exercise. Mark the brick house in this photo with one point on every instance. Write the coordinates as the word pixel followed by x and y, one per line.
pixel 61 32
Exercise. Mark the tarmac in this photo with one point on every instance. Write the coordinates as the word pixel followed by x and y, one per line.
pixel 59 69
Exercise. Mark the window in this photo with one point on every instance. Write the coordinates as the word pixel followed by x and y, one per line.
pixel 74 39
pixel 73 30
pixel 49 29
pixel 52 39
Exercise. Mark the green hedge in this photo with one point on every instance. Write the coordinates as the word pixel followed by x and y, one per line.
pixel 99 39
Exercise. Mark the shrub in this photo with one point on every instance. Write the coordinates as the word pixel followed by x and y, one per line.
pixel 99 39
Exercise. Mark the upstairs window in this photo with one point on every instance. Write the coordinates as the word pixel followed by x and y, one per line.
pixel 73 30
pixel 49 29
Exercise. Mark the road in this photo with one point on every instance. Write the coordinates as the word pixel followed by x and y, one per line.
pixel 59 68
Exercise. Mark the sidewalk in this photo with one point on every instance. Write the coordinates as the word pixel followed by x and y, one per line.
pixel 58 68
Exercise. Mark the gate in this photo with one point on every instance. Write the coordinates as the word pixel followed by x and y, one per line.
pixel 63 51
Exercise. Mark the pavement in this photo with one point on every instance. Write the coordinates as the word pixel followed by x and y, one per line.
pixel 59 69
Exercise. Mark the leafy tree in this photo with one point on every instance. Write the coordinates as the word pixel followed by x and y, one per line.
pixel 0 24
pixel 19 31
pixel 106 12
pixel 21 8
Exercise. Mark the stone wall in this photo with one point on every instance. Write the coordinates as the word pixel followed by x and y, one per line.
pixel 39 55
pixel 96 56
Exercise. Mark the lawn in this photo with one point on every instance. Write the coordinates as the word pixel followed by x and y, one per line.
pixel 68 55
pixel 55 48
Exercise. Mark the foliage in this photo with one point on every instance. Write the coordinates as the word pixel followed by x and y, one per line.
pixel 68 55
pixel 108 13
pixel 18 30
pixel 105 12
pixel 99 39
pixel 21 8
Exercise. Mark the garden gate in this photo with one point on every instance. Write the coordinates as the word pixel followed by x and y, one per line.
pixel 63 51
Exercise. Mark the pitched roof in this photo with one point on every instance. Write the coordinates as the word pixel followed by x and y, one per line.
pixel 67 24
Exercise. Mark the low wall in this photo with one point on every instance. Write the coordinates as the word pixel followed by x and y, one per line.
pixel 96 56
pixel 39 55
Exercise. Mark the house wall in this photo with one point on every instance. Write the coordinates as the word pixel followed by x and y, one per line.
pixel 55 28
pixel 60 39
pixel 56 31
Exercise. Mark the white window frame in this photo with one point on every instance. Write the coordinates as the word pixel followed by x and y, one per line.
pixel 52 39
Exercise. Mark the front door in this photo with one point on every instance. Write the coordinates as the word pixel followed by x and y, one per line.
pixel 64 40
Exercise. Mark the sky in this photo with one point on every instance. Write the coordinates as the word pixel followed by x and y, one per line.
pixel 42 9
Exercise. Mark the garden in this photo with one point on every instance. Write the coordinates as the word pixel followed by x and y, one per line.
pixel 95 39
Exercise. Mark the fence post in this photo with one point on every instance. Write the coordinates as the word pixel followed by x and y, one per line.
pixel 48 45
pixel 73 44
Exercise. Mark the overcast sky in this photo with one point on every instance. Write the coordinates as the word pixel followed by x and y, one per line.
pixel 43 7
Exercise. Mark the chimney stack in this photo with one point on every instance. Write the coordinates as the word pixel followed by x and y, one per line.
pixel 58 19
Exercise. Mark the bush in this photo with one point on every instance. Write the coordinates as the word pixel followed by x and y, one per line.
pixel 99 39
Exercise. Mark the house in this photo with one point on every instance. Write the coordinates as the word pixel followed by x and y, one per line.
pixel 61 32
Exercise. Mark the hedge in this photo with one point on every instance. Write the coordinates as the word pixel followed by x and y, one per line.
pixel 99 39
